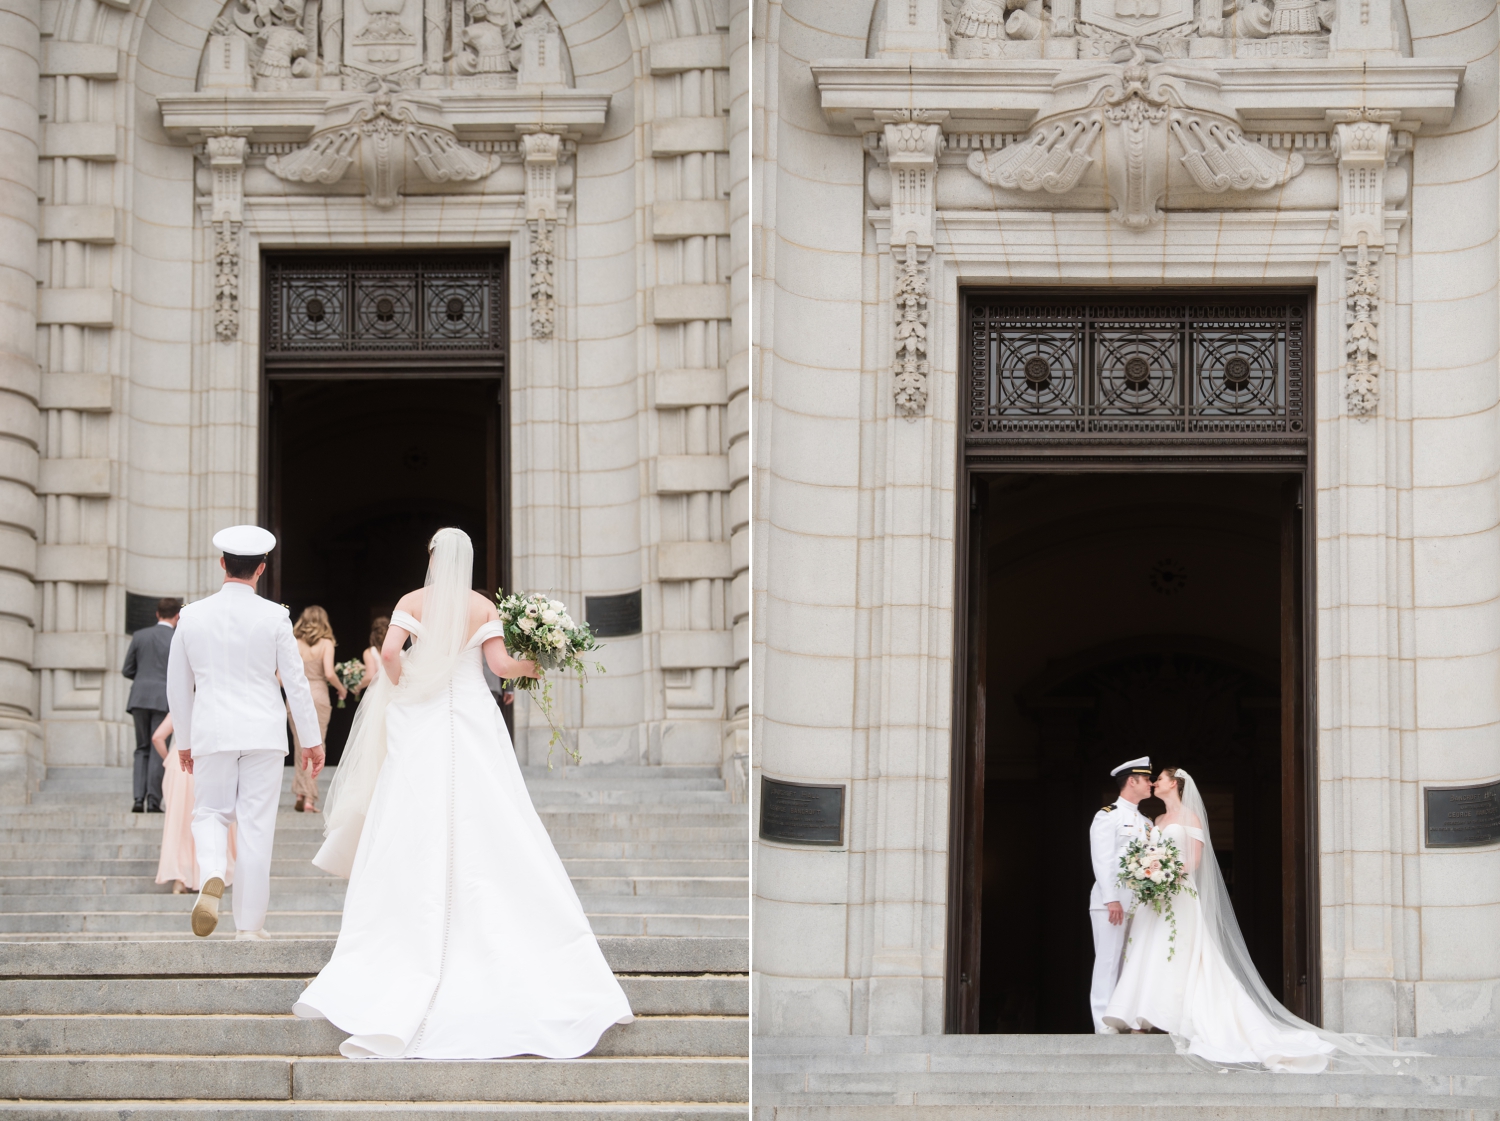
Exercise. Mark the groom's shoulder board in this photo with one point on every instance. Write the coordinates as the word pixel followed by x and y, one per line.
pixel 1107 809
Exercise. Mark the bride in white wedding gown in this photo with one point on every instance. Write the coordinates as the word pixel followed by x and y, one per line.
pixel 462 937
pixel 1208 994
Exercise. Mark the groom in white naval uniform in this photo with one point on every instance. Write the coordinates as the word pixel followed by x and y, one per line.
pixel 1113 828
pixel 231 725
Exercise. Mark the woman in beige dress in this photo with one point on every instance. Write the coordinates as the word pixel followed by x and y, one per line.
pixel 315 643
pixel 179 859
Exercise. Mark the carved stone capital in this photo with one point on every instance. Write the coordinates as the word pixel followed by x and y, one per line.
pixel 226 162
pixel 1363 146
pixel 913 143
pixel 543 151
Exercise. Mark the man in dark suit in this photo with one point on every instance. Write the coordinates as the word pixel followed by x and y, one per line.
pixel 146 666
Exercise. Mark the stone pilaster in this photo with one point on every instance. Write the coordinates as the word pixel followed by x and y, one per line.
pixel 20 744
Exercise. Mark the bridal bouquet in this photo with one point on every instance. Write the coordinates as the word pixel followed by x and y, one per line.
pixel 351 673
pixel 1154 871
pixel 541 630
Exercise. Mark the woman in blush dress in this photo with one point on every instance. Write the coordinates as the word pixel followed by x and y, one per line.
pixel 371 656
pixel 462 936
pixel 315 643
pixel 179 860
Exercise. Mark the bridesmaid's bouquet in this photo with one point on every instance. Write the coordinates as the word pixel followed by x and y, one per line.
pixel 1154 871
pixel 351 673
pixel 540 629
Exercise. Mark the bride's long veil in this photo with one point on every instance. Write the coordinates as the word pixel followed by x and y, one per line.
pixel 1350 1052
pixel 425 669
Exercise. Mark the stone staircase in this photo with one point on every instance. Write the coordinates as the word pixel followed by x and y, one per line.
pixel 108 1007
pixel 652 850
pixel 1101 1078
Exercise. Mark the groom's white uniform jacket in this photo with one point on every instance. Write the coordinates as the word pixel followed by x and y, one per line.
pixel 221 676
pixel 1113 829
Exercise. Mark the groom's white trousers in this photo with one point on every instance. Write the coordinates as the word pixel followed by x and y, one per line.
pixel 1109 948
pixel 242 788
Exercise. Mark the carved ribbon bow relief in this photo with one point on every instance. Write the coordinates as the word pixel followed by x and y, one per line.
pixel 390 134
pixel 1139 123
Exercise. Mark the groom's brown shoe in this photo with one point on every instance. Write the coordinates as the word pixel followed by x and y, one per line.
pixel 206 909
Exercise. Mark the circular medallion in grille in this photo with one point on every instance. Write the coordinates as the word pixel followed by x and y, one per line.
pixel 1237 373
pixel 1137 372
pixel 1038 371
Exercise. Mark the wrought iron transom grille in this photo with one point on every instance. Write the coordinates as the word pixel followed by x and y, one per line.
pixel 1044 367
pixel 389 307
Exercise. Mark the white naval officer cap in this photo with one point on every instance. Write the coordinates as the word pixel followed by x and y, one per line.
pixel 1141 766
pixel 245 541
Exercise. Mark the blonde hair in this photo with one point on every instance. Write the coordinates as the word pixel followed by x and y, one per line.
pixel 378 629
pixel 313 626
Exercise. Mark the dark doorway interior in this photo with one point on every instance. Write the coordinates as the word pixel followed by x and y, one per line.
pixel 1125 615
pixel 362 473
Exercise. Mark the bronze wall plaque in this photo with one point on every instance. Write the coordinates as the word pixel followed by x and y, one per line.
pixel 614 616
pixel 801 813
pixel 1462 816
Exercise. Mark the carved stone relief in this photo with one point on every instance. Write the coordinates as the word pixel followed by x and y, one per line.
pixel 1144 125
pixel 394 136
pixel 1023 29
pixel 913 143
pixel 360 45
pixel 543 149
pixel 226 161
pixel 1365 144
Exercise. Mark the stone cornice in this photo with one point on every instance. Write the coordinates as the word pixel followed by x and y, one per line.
pixel 987 96
pixel 292 116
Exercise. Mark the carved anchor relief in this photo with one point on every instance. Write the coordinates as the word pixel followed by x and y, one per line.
pixel 1138 122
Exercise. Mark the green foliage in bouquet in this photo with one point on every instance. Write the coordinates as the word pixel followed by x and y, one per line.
pixel 1153 871
pixel 540 630
pixel 351 673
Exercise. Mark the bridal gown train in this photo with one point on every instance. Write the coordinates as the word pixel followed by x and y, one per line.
pixel 1196 996
pixel 462 937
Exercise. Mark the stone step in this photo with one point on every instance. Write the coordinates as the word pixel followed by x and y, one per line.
pixel 698 814
pixel 696 791
pixel 240 1110
pixel 327 1079
pixel 145 868
pixel 286 899
pixel 649 995
pixel 145 849
pixel 303 958
pixel 18 926
pixel 130 885
pixel 1103 1078
pixel 784 1070
pixel 568 831
pixel 285 1034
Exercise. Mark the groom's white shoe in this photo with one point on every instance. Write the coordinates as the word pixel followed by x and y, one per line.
pixel 206 909
pixel 252 936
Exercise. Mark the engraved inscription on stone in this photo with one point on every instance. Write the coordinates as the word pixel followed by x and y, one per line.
pixel 1462 816
pixel 800 813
